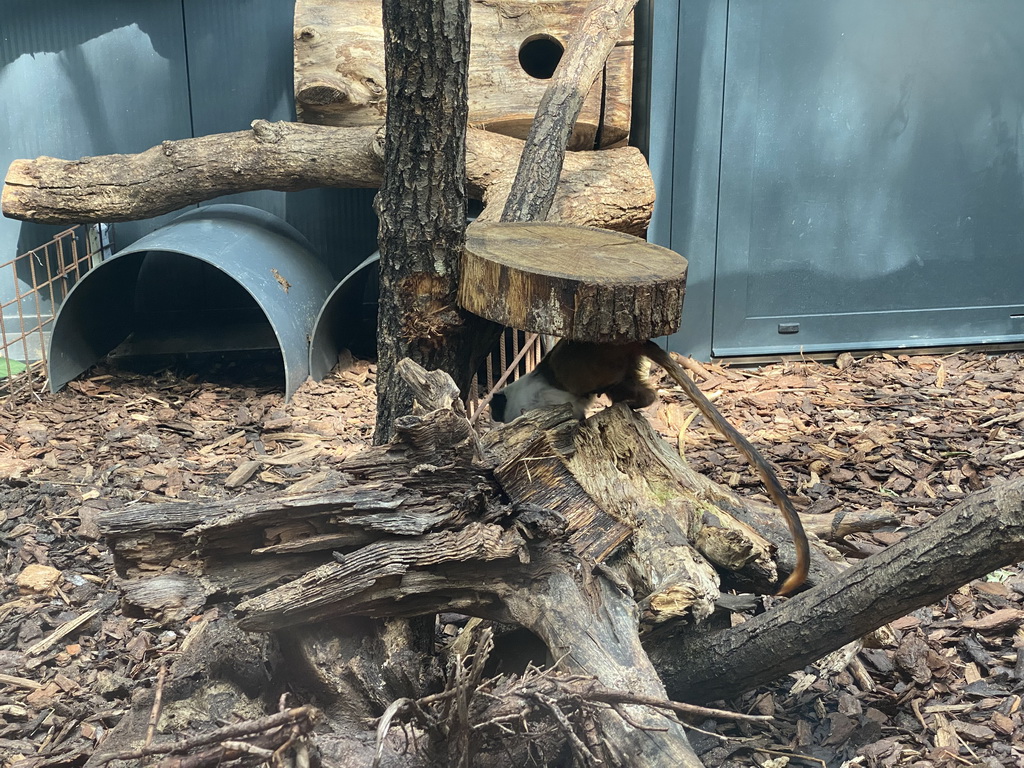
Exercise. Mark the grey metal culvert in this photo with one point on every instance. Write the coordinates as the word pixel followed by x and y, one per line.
pixel 339 321
pixel 267 258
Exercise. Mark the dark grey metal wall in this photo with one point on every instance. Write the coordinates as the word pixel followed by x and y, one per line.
pixel 240 68
pixel 81 79
pixel 686 46
pixel 119 76
pixel 843 174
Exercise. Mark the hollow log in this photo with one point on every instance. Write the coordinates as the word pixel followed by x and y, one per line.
pixel 611 190
pixel 339 67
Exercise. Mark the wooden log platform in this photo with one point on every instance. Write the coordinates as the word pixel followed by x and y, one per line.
pixel 580 283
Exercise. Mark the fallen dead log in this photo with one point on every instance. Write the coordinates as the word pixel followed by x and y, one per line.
pixel 446 540
pixel 982 533
pixel 604 518
pixel 612 189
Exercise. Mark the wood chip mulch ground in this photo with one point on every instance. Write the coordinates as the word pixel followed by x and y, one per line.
pixel 905 434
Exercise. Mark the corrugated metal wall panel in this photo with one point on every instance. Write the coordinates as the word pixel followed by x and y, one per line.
pixel 87 78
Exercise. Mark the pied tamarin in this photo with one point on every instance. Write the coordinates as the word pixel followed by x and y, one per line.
pixel 575 372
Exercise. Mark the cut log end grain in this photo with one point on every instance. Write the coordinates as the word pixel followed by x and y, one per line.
pixel 580 283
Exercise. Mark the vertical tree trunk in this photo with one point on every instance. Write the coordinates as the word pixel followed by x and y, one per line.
pixel 422 200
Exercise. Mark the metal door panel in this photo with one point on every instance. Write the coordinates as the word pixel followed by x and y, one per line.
pixel 871 184
pixel 684 148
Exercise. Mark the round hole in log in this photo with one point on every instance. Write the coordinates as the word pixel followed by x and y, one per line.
pixel 539 55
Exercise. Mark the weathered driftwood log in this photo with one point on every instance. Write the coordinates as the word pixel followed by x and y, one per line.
pixel 429 495
pixel 611 189
pixel 607 479
pixel 579 283
pixel 521 574
pixel 339 67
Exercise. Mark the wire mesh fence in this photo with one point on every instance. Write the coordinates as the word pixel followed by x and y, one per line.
pixel 33 285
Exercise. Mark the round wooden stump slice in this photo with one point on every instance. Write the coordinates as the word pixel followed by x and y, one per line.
pixel 579 283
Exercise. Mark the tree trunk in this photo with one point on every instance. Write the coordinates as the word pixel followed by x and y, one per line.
pixel 982 533
pixel 422 200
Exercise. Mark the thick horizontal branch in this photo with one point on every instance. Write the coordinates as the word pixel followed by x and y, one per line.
pixel 980 534
pixel 611 189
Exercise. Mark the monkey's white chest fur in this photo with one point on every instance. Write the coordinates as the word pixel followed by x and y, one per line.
pixel 533 391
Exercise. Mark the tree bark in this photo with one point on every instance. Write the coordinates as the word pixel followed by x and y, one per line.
pixel 422 208
pixel 422 200
pixel 980 534
pixel 611 189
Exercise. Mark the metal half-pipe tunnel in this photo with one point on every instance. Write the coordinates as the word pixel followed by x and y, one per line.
pixel 265 259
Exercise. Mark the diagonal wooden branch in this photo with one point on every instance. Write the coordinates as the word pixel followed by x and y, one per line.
pixel 600 27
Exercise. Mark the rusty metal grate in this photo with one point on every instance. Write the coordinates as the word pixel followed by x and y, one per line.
pixel 32 287
pixel 516 354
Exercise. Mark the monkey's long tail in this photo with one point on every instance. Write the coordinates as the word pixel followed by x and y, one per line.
pixel 761 466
